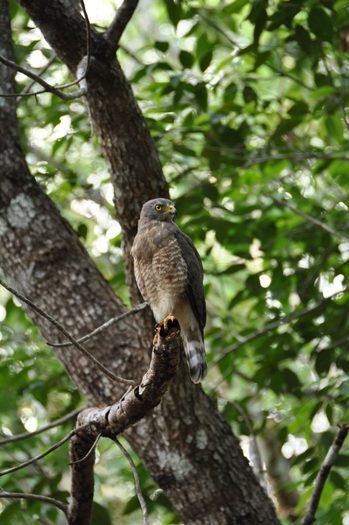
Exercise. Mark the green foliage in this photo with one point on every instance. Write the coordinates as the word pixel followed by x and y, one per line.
pixel 247 103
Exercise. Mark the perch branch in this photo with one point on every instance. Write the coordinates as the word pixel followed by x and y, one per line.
pixel 99 329
pixel 27 435
pixel 118 25
pixel 65 332
pixel 35 497
pixel 110 421
pixel 322 476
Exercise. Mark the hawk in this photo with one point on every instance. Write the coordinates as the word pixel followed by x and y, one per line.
pixel 169 275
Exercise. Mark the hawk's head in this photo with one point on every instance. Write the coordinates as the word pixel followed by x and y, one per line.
pixel 158 210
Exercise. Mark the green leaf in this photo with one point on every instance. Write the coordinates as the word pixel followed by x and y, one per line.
pixel 205 60
pixel 100 515
pixel 186 59
pixel 320 24
pixel 174 11
pixel 161 45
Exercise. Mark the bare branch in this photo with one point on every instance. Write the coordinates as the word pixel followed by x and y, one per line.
pixel 40 456
pixel 110 421
pixel 322 476
pixel 137 482
pixel 36 497
pixel 61 328
pixel 118 25
pixel 27 435
pixel 286 319
pixel 56 90
pixel 310 218
pixel 99 329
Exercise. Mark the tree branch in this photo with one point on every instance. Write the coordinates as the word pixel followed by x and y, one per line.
pixel 61 328
pixel 99 329
pixel 118 25
pixel 40 456
pixel 310 218
pixel 27 435
pixel 36 497
pixel 322 476
pixel 275 324
pixel 56 90
pixel 110 421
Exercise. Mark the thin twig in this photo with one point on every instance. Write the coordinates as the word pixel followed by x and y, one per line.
pixel 61 328
pixel 99 329
pixel 40 73
pixel 118 25
pixel 89 452
pixel 45 453
pixel 311 219
pixel 275 324
pixel 322 476
pixel 27 435
pixel 137 482
pixel 56 90
pixel 36 497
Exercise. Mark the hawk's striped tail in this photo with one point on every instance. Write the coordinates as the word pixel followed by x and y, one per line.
pixel 196 359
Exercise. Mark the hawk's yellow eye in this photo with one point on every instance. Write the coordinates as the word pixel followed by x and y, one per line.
pixel 158 207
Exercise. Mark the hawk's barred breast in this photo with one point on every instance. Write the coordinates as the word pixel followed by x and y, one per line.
pixel 169 275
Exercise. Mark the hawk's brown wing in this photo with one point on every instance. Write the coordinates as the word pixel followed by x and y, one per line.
pixel 195 288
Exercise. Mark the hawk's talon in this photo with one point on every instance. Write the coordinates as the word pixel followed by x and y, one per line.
pixel 166 325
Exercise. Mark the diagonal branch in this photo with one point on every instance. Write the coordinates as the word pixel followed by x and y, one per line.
pixel 65 332
pixel 32 460
pixel 136 480
pixel 310 218
pixel 35 497
pixel 54 424
pixel 56 90
pixel 322 476
pixel 118 25
pixel 286 319
pixel 107 324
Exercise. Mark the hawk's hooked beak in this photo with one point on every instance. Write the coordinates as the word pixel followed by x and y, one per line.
pixel 171 210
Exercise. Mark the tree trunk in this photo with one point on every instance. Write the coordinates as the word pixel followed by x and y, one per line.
pixel 186 445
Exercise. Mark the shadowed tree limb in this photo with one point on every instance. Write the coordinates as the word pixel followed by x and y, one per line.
pixel 112 420
pixel 325 469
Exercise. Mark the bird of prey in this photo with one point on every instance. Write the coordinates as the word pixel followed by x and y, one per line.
pixel 169 275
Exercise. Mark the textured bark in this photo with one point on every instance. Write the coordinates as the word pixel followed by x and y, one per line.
pixel 185 443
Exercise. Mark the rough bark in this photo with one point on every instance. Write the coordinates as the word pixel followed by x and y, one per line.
pixel 185 443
